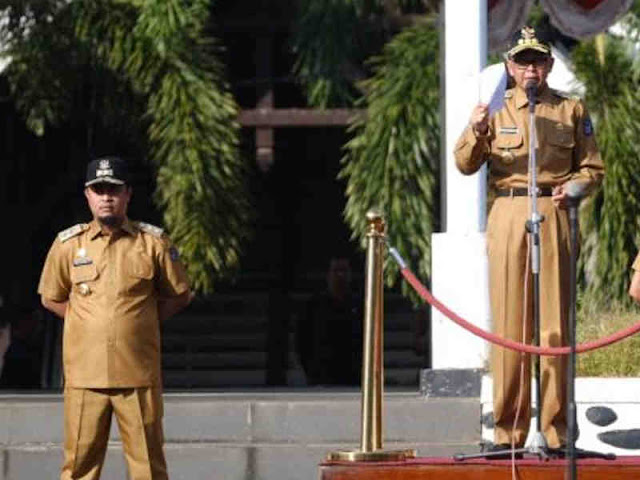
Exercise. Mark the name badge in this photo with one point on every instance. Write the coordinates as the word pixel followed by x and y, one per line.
pixel 508 130
pixel 79 261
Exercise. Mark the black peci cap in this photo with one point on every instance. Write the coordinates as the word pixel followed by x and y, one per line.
pixel 528 39
pixel 107 170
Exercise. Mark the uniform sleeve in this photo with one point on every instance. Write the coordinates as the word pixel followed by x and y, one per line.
pixel 172 279
pixel 471 151
pixel 55 281
pixel 587 162
pixel 636 263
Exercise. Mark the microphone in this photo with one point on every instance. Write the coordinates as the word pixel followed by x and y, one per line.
pixel 531 87
pixel 576 191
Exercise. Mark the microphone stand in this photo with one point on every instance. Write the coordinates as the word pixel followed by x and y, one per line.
pixel 574 195
pixel 538 445
pixel 572 419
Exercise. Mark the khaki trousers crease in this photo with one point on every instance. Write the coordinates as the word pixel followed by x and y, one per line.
pixel 507 241
pixel 87 421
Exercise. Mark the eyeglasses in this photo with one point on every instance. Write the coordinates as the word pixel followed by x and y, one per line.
pixel 107 188
pixel 523 64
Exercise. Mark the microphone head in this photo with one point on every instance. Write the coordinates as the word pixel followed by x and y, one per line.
pixel 575 190
pixel 531 87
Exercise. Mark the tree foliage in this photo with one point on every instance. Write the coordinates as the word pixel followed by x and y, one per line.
pixel 334 38
pixel 157 60
pixel 391 163
pixel 610 217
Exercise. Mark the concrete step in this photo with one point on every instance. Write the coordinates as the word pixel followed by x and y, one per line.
pixel 257 359
pixel 240 378
pixel 177 342
pixel 222 341
pixel 218 323
pixel 214 378
pixel 244 435
pixel 195 361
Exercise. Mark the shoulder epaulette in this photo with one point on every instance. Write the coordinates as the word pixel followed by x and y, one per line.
pixel 71 232
pixel 151 229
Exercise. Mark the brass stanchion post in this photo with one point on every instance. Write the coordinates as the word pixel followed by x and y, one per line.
pixel 372 358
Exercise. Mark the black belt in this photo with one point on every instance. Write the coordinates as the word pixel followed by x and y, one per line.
pixel 524 192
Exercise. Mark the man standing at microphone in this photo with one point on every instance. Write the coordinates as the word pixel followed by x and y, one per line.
pixel 566 151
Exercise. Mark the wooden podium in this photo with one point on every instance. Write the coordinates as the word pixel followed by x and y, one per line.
pixel 622 468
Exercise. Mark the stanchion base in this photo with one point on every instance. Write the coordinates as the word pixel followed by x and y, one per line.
pixel 375 456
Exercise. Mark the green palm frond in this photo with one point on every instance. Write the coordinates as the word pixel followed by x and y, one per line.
pixel 193 129
pixel 391 163
pixel 610 219
pixel 41 40
pixel 327 50
pixel 333 39
pixel 153 62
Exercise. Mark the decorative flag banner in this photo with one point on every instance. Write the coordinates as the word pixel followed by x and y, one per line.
pixel 575 18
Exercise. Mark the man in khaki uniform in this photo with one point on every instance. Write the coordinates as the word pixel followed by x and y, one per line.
pixel 113 281
pixel 566 152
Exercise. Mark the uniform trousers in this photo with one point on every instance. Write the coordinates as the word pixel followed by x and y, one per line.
pixel 507 241
pixel 88 413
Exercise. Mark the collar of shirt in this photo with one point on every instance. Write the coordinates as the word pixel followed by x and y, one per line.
pixel 520 96
pixel 127 227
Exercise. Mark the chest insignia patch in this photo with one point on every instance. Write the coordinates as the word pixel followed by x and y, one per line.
pixel 508 130
pixel 81 258
pixel 587 127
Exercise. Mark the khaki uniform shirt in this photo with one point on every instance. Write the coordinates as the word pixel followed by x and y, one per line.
pixel 113 284
pixel 566 147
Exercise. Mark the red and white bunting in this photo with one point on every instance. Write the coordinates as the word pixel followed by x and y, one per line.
pixel 574 18
pixel 584 18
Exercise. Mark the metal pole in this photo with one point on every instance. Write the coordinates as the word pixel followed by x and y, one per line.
pixel 571 399
pixel 371 432
pixel 539 442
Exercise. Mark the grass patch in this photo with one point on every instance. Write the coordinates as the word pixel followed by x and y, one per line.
pixel 621 359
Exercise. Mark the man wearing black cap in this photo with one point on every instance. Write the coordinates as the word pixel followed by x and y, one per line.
pixel 112 281
pixel 566 151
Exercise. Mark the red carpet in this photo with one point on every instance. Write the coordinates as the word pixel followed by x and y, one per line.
pixel 444 468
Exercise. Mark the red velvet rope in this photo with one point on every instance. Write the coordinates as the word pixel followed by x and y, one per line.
pixel 504 342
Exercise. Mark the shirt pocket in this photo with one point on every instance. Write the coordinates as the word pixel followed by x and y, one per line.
pixel 507 147
pixel 138 273
pixel 560 142
pixel 83 274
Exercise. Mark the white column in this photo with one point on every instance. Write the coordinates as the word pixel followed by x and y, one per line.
pixel 459 264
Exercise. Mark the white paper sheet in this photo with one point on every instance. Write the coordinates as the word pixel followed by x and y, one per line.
pixel 492 85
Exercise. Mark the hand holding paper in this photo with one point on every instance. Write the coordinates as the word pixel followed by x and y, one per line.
pixel 492 85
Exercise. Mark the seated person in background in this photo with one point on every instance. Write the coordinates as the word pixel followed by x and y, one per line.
pixel 329 333
pixel 5 333
pixel 23 359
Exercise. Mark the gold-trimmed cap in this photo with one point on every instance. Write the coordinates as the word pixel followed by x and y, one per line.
pixel 528 39
pixel 107 170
